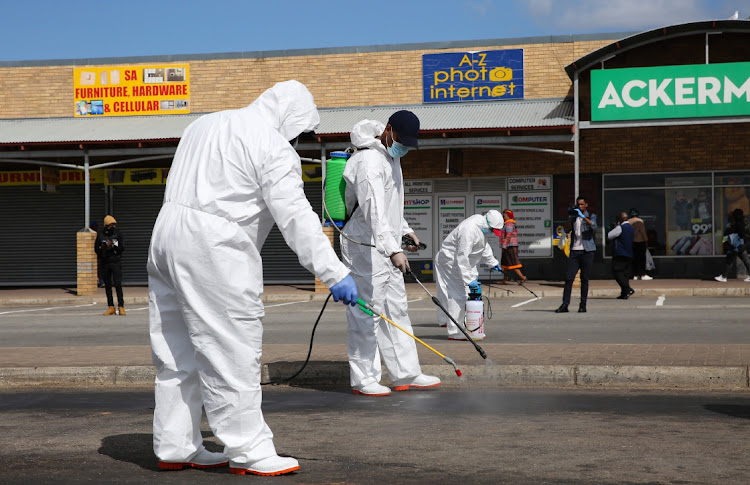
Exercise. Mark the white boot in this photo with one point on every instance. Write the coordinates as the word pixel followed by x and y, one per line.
pixel 200 459
pixel 273 465
pixel 422 381
pixel 373 389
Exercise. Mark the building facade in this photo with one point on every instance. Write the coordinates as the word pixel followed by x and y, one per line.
pixel 506 124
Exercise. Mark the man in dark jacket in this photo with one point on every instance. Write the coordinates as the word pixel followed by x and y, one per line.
pixel 109 247
pixel 622 254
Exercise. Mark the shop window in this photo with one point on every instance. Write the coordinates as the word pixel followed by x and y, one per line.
pixel 650 205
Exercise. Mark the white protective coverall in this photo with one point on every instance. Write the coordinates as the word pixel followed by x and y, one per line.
pixel 456 266
pixel 374 180
pixel 233 175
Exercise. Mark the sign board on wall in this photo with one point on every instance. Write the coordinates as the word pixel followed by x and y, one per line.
pixel 529 183
pixel 417 186
pixel 418 214
pixel 472 76
pixel 131 90
pixel 451 212
pixel 686 91
pixel 532 212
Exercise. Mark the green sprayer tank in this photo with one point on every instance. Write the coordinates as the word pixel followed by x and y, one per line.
pixel 335 186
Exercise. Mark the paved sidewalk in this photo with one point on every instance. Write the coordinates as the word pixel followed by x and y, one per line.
pixel 639 366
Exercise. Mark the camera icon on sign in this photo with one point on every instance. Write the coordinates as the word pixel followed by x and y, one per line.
pixel 501 74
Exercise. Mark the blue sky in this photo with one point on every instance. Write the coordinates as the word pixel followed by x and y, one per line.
pixel 82 29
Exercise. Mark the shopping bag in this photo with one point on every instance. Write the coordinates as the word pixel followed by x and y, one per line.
pixel 649 261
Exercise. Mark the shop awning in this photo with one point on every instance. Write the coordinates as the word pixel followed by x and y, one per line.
pixel 552 113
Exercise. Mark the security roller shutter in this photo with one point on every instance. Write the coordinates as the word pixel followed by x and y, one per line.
pixel 38 233
pixel 280 263
pixel 136 208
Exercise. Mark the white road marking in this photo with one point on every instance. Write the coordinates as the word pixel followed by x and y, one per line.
pixel 524 302
pixel 50 308
pixel 660 300
pixel 284 304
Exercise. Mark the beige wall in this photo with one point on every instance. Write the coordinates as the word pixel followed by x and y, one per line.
pixel 351 79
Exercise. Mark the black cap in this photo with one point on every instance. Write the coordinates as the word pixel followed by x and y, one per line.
pixel 406 124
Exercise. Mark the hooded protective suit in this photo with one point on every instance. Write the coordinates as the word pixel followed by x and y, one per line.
pixel 375 182
pixel 233 175
pixel 456 266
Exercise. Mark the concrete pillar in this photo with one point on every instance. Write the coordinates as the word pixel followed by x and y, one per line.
pixel 87 264
pixel 320 287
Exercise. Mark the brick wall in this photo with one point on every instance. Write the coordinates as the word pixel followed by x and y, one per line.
pixel 336 80
pixel 86 262
pixel 666 148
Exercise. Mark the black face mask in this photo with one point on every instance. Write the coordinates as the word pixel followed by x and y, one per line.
pixel 109 230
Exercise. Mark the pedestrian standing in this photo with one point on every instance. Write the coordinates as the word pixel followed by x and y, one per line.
pixel 640 245
pixel 109 247
pixel 734 245
pixel 622 254
pixel 509 260
pixel 582 227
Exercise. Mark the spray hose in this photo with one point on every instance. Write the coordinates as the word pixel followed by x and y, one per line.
pixel 365 307
pixel 440 305
pixel 309 351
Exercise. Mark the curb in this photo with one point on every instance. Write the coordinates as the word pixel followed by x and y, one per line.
pixel 602 377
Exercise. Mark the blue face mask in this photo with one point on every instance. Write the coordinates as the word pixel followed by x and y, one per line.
pixel 397 150
pixel 486 230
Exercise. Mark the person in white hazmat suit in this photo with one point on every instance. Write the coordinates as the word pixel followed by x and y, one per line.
pixel 456 266
pixel 234 174
pixel 375 199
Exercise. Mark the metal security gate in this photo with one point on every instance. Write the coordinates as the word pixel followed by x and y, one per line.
pixel 38 233
pixel 135 208
pixel 280 263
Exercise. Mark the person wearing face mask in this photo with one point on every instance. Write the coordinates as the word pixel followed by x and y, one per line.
pixel 456 266
pixel 234 174
pixel 375 201
pixel 109 247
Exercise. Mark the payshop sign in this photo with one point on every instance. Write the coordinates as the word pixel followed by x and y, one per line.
pixel 472 76
pixel 690 91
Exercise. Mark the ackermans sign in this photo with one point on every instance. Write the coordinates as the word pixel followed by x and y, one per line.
pixel 690 91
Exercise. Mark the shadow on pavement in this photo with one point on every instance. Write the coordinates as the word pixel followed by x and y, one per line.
pixel 734 410
pixel 137 448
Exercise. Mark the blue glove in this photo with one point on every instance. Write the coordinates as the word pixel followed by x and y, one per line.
pixel 474 284
pixel 580 214
pixel 497 268
pixel 346 291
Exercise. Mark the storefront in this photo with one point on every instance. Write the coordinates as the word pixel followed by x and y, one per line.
pixel 505 123
pixel 664 116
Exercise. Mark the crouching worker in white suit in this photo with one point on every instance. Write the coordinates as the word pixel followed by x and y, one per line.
pixel 375 200
pixel 235 173
pixel 456 266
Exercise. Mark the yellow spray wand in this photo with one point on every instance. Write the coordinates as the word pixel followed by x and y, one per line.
pixel 365 307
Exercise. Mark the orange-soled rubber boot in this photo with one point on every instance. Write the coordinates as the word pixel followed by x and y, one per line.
pixel 422 381
pixel 110 311
pixel 267 467
pixel 121 310
pixel 202 459
pixel 374 389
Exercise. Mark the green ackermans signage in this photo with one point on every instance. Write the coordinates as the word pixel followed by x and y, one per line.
pixel 647 93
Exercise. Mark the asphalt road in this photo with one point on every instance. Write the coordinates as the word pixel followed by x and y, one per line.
pixel 443 436
pixel 638 320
